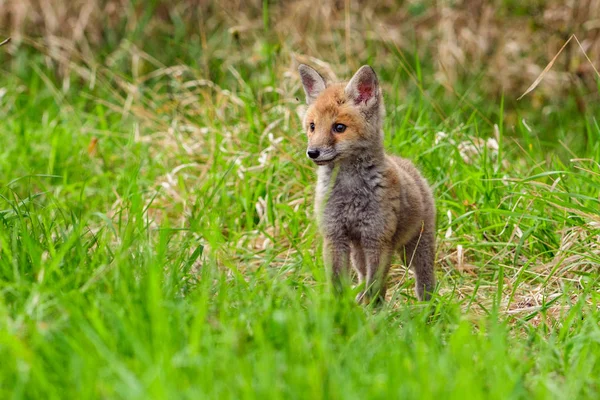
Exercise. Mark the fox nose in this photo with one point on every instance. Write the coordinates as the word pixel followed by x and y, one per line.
pixel 312 153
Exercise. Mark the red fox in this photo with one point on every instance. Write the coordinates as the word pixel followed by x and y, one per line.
pixel 368 204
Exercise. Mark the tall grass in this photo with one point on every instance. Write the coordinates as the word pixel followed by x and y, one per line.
pixel 156 229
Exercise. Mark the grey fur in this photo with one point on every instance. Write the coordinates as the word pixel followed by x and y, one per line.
pixel 370 204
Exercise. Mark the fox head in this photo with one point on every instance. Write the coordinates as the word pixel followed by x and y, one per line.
pixel 342 121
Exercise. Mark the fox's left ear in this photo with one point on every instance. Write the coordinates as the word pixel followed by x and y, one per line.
pixel 363 88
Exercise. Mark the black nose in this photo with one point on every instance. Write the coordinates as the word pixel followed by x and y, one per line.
pixel 313 153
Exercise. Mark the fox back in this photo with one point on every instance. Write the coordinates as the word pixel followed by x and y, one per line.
pixel 368 204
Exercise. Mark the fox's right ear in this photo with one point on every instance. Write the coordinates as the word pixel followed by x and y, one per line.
pixel 312 81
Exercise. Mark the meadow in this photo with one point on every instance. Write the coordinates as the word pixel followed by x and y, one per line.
pixel 157 237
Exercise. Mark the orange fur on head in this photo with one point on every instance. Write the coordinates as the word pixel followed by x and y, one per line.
pixel 333 107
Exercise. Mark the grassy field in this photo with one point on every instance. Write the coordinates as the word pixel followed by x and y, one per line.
pixel 157 237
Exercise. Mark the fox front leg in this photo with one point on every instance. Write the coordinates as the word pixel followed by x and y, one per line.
pixel 378 264
pixel 337 258
pixel 357 257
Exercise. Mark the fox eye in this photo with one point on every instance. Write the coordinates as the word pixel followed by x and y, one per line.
pixel 312 126
pixel 339 128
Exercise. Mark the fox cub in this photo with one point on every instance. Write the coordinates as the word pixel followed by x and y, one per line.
pixel 368 204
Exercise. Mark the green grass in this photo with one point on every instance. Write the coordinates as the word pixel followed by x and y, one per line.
pixel 178 256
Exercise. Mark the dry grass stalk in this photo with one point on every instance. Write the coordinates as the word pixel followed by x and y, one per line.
pixel 551 63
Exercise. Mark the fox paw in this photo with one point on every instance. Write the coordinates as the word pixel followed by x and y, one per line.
pixel 364 297
pixel 361 297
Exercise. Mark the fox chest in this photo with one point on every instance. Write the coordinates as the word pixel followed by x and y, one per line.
pixel 350 211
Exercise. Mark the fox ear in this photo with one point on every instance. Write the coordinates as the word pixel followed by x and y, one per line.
pixel 363 87
pixel 312 81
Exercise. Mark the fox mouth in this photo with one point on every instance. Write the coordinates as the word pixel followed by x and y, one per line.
pixel 325 162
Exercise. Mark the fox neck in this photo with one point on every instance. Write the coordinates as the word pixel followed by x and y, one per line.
pixel 371 155
pixel 366 161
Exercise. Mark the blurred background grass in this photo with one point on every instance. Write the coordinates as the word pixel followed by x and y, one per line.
pixel 466 53
pixel 505 42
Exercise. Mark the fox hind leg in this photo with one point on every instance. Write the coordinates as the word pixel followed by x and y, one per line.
pixel 419 254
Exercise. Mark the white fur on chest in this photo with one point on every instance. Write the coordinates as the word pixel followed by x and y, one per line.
pixel 324 185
